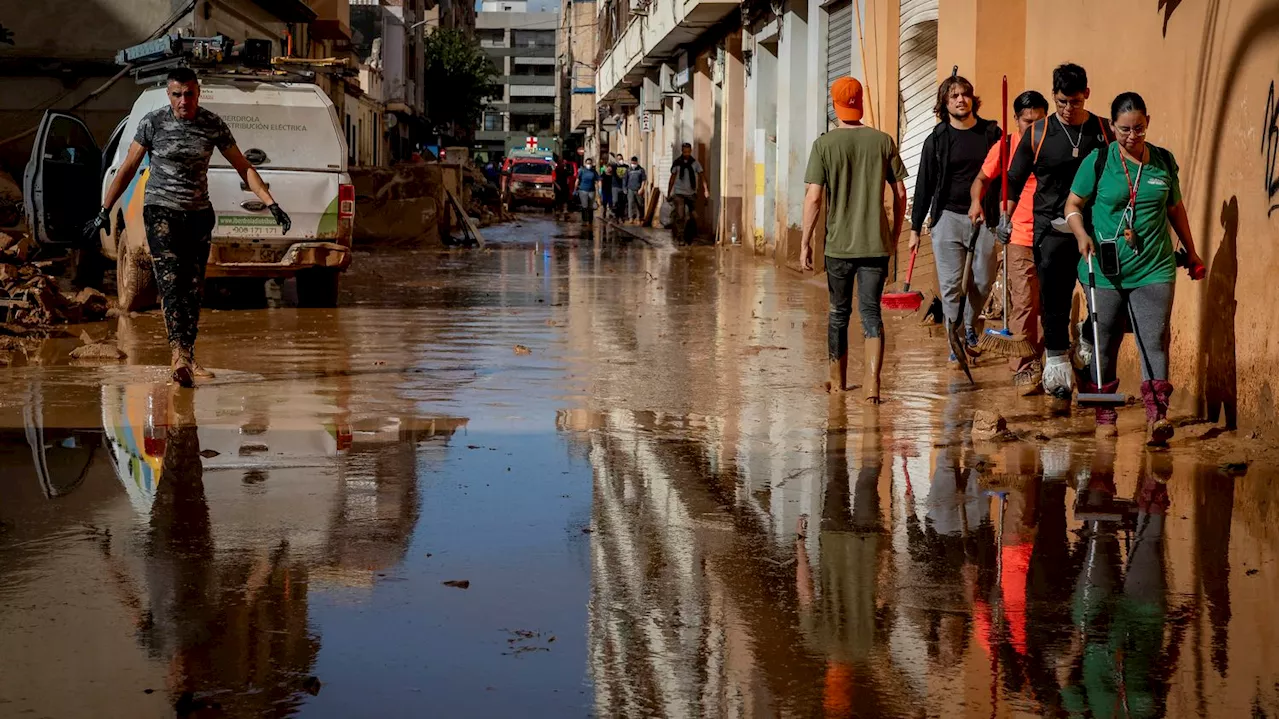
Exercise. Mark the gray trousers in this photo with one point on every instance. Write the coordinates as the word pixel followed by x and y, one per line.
pixel 950 240
pixel 635 208
pixel 1146 309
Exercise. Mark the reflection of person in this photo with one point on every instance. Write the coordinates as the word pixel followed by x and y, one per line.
pixel 232 626
pixel 949 162
pixel 1121 655
pixel 1132 194
pixel 1051 151
pixel 1023 315
pixel 179 218
pixel 841 618
pixel 848 169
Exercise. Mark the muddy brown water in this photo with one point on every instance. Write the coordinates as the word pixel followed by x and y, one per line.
pixel 654 512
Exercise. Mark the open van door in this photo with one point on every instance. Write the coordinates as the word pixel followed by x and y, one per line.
pixel 62 185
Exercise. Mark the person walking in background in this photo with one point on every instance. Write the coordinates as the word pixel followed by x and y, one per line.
pixel 848 169
pixel 687 180
pixel 949 162
pixel 586 184
pixel 1051 151
pixel 564 177
pixel 1122 201
pixel 619 199
pixel 636 179
pixel 1023 314
pixel 606 174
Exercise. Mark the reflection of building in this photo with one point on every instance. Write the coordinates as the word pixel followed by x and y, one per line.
pixel 522 45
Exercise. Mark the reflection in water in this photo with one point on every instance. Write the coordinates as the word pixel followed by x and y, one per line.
pixel 232 629
pixel 1021 579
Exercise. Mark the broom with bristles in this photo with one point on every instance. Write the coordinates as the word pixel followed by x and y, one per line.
pixel 1002 342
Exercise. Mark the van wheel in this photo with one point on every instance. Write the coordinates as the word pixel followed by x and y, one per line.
pixel 318 288
pixel 135 280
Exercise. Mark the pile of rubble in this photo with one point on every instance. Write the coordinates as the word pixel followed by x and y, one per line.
pixel 30 295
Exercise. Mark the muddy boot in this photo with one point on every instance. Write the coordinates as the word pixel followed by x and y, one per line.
pixel 181 373
pixel 873 358
pixel 1155 398
pixel 196 369
pixel 1104 417
pixel 837 370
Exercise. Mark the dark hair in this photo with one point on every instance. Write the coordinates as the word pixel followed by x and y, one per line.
pixel 634 158
pixel 1070 79
pixel 183 75
pixel 1029 100
pixel 1127 102
pixel 944 92
pixel 684 145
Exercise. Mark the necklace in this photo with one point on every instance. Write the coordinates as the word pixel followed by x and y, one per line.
pixel 1075 144
pixel 1133 183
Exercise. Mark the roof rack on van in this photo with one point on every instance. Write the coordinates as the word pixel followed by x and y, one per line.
pixel 219 57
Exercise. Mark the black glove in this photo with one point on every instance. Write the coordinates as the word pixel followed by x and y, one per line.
pixel 282 219
pixel 93 228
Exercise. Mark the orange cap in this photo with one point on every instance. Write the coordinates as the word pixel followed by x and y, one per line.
pixel 846 96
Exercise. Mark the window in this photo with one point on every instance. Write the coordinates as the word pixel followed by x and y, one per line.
pixel 532 100
pixel 493 121
pixel 533 38
pixel 522 70
pixel 491 38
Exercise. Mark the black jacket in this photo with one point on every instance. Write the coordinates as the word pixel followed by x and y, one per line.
pixel 931 178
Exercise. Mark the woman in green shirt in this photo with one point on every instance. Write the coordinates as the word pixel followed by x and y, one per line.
pixel 1120 209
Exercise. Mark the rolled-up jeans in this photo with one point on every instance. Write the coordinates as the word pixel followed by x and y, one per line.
pixel 950 243
pixel 868 273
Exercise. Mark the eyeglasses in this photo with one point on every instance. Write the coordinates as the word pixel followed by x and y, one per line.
pixel 1068 102
pixel 1137 131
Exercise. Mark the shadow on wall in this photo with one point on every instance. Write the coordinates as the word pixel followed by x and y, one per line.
pixel 1260 27
pixel 1219 324
pixel 1167 7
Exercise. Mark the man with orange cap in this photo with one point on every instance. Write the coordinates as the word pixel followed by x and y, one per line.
pixel 848 167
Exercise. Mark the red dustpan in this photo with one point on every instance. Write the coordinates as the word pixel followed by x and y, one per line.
pixel 907 299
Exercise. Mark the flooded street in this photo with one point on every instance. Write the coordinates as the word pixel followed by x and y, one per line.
pixel 572 476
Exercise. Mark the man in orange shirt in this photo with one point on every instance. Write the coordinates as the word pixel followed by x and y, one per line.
pixel 1024 288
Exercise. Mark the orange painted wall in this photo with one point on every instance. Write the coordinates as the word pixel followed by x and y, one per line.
pixel 1208 71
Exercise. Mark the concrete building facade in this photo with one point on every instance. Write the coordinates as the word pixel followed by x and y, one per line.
pixel 747 85
pixel 576 57
pixel 397 26
pixel 522 45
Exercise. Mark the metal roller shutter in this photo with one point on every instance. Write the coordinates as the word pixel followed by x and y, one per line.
pixel 839 47
pixel 917 80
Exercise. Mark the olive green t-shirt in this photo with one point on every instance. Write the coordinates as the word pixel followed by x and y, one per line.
pixel 1150 261
pixel 853 163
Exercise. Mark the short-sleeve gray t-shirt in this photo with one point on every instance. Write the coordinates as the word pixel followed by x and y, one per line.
pixel 686 181
pixel 180 151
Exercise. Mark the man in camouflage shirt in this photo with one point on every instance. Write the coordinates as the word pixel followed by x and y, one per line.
pixel 176 210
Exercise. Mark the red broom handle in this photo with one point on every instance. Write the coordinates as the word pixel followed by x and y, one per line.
pixel 911 265
pixel 1004 143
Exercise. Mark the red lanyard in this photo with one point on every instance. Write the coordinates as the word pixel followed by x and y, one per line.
pixel 1133 185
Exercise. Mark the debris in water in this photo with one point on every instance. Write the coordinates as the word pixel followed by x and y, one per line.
pixel 1250 572
pixel 522 350
pixel 457 583
pixel 209 453
pixel 988 425
pixel 98 351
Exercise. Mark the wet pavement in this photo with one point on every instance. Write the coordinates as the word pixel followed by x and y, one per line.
pixel 652 512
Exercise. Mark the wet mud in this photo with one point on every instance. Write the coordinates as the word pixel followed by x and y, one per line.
pixel 578 474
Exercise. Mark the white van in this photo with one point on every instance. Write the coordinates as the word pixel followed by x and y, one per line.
pixel 288 131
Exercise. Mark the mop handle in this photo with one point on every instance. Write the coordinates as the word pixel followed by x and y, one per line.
pixel 1093 315
pixel 1004 143
pixel 911 266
